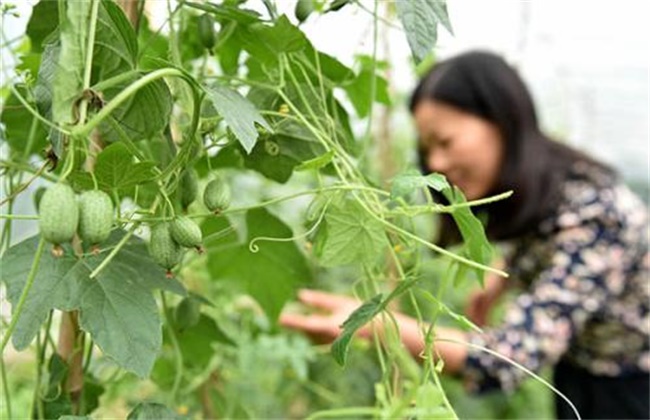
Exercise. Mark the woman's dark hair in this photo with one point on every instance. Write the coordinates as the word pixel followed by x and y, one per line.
pixel 534 166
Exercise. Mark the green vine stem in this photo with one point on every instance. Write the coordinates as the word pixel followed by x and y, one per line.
pixel 350 412
pixel 114 252
pixel 18 216
pixel 254 248
pixel 23 297
pixel 5 386
pixel 517 365
pixel 441 208
pixel 24 186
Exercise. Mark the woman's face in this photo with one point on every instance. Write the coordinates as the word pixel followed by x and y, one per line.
pixel 465 148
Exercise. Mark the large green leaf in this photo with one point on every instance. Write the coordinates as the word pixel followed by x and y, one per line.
pixel 117 307
pixel 240 114
pixel 270 275
pixel 362 315
pixel 115 169
pixel 44 20
pixel 68 75
pixel 349 235
pixel 265 42
pixel 420 21
pixel 282 37
pixel 141 116
pixel 44 90
pixel 116 48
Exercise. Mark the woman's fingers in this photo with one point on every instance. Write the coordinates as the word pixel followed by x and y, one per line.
pixel 321 329
pixel 307 323
pixel 322 300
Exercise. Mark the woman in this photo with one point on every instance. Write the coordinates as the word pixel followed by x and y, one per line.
pixel 577 242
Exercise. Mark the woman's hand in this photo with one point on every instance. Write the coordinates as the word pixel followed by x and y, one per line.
pixel 326 326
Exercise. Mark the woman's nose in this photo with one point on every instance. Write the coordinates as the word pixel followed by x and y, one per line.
pixel 438 162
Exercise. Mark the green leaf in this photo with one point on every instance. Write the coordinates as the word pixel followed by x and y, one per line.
pixel 117 307
pixel 54 287
pixel 477 246
pixel 122 317
pixel 115 168
pixel 420 20
pixel 228 50
pixel 409 181
pixel 116 47
pixel 55 402
pixel 270 275
pixel 43 21
pixel 362 315
pixel 44 91
pixel 238 112
pixel 68 75
pixel 141 116
pixel 92 391
pixel 152 411
pixel 196 342
pixel 330 67
pixel 360 90
pixel 317 162
pixel 350 235
pixel 428 398
pixel 282 37
pixel 18 124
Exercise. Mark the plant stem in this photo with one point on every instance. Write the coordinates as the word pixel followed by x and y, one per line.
pixel 115 80
pixel 518 366
pixel 439 249
pixel 23 186
pixel 350 412
pixel 19 216
pixel 440 208
pixel 36 400
pixel 114 252
pixel 23 297
pixel 5 386
pixel 35 113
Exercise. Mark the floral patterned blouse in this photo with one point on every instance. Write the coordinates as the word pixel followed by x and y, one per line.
pixel 586 298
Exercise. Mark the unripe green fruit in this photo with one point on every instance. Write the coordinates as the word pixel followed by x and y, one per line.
pixel 186 232
pixel 189 187
pixel 95 217
pixel 217 195
pixel 162 247
pixel 59 214
pixel 206 31
pixel 188 313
